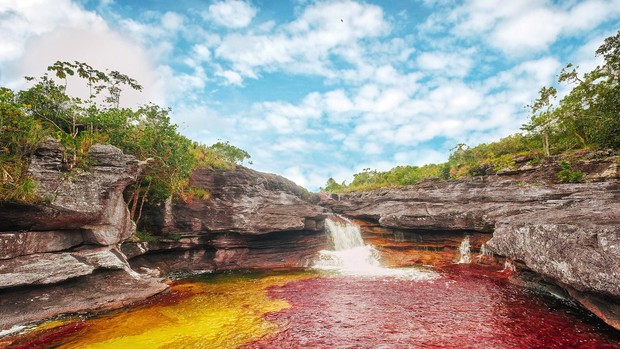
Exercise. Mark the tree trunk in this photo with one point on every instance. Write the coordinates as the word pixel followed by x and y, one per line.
pixel 546 144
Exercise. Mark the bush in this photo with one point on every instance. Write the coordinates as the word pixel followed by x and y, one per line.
pixel 567 175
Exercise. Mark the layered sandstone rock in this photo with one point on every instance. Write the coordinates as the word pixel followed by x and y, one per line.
pixel 577 248
pixel 70 237
pixel 248 219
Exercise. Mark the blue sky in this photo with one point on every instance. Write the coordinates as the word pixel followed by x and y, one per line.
pixel 319 89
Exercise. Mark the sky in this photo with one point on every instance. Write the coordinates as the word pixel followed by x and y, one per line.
pixel 319 89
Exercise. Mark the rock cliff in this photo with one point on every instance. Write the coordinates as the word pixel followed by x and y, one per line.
pixel 67 243
pixel 567 233
pixel 244 219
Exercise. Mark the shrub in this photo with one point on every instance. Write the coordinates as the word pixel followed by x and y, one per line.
pixel 567 175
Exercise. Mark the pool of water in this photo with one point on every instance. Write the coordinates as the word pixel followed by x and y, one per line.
pixel 461 306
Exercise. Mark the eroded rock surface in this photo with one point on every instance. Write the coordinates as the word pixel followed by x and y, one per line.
pixel 248 219
pixel 53 251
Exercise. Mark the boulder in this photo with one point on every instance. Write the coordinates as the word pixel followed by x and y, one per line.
pixel 244 201
pixel 87 202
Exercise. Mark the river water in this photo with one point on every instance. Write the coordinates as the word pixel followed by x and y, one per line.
pixel 348 301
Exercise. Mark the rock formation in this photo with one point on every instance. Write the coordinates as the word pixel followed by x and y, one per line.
pixel 567 233
pixel 70 238
pixel 248 219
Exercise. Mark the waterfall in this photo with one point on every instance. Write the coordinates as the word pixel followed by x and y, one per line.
pixel 464 250
pixel 351 256
pixel 345 235
pixel 484 251
pixel 509 266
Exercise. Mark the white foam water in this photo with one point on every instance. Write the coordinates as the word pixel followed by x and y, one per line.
pixel 464 250
pixel 351 256
pixel 13 330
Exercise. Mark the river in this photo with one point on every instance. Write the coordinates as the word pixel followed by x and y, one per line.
pixel 347 301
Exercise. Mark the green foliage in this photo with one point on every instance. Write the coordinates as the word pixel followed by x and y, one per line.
pixel 588 115
pixel 444 171
pixel 333 186
pixel 20 135
pixel 145 236
pixel 196 193
pixel 371 179
pixel 229 153
pixel 567 175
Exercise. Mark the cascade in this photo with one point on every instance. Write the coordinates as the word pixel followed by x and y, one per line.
pixel 509 266
pixel 464 250
pixel 484 251
pixel 351 256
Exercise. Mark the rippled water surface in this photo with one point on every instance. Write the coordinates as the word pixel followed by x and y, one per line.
pixel 465 306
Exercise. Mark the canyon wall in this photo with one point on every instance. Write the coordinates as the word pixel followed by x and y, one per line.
pixel 244 219
pixel 75 249
pixel 61 254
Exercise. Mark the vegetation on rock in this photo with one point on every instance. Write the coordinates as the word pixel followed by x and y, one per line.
pixel 588 117
pixel 46 110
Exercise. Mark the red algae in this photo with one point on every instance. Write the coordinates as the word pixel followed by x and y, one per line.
pixel 50 337
pixel 467 307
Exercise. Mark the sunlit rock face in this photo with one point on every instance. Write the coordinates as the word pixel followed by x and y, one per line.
pixel 577 248
pixel 66 244
pixel 248 219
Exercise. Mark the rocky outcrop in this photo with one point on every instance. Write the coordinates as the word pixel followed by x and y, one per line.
pixel 242 219
pixel 567 233
pixel 577 248
pixel 70 236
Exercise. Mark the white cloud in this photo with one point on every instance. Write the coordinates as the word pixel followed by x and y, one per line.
pixel 231 13
pixel 21 20
pixel 447 64
pixel 172 21
pixel 532 31
pixel 201 52
pixel 523 26
pixel 231 77
pixel 305 45
pixel 38 33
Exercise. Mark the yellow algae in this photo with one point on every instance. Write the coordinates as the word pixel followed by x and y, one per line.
pixel 52 324
pixel 223 311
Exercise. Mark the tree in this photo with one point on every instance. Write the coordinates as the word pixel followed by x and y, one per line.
pixel 543 119
pixel 230 153
pixel 332 185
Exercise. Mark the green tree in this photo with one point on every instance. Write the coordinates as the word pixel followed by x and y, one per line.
pixel 333 186
pixel 230 153
pixel 543 118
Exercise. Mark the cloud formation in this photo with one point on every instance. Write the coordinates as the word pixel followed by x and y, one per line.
pixel 230 13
